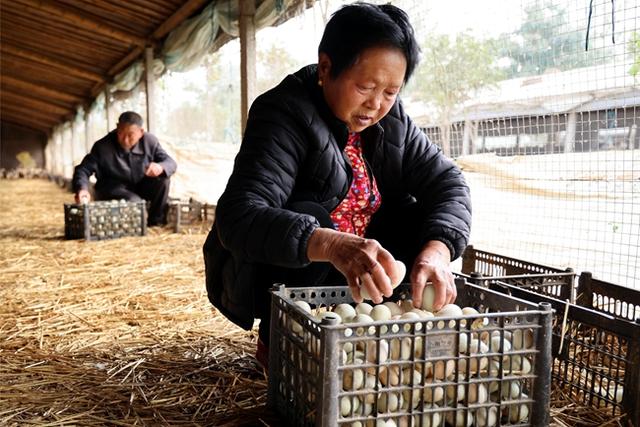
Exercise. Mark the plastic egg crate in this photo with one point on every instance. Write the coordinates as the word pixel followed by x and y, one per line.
pixel 480 267
pixel 184 212
pixel 596 354
pixel 484 363
pixel 108 219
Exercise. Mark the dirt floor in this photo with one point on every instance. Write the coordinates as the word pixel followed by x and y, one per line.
pixel 116 332
pixel 120 332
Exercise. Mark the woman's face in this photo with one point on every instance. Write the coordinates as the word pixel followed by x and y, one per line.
pixel 363 94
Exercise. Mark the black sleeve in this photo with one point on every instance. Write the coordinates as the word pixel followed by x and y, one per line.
pixel 162 158
pixel 84 170
pixel 251 218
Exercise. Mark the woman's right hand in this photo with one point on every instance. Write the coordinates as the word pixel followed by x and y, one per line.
pixel 363 262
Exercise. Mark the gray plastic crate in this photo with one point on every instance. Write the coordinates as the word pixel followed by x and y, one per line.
pixel 425 374
pixel 480 266
pixel 596 355
pixel 107 219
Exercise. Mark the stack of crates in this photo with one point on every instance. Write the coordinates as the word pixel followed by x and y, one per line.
pixel 484 369
pixel 596 355
pixel 107 219
pixel 596 333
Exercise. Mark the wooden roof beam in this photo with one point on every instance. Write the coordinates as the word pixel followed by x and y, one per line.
pixel 16 118
pixel 124 62
pixel 28 96
pixel 29 125
pixel 178 16
pixel 36 116
pixel 35 57
pixel 41 90
pixel 36 104
pixel 85 21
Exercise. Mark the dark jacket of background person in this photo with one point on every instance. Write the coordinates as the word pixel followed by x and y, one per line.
pixel 292 151
pixel 114 166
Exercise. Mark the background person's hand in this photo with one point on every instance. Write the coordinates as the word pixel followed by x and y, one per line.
pixel 363 262
pixel 153 170
pixel 433 265
pixel 83 196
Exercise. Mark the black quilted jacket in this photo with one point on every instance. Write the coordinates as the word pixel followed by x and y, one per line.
pixel 292 151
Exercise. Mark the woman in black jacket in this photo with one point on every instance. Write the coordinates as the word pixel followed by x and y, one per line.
pixel 333 181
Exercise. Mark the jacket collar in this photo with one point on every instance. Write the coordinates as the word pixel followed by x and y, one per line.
pixel 309 76
pixel 137 149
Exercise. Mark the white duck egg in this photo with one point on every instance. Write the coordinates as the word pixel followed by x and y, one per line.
pixel 433 393
pixel 459 418
pixel 449 310
pixel 522 339
pixel 428 295
pixel 393 307
pixel 518 413
pixel 380 312
pixel 398 274
pixel 352 379
pixel 363 308
pixel 372 351
pixel 487 417
pixel 345 311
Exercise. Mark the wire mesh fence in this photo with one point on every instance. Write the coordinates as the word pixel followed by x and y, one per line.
pixel 550 147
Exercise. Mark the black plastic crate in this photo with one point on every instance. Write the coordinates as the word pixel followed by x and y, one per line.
pixel 616 300
pixel 107 219
pixel 183 213
pixel 480 266
pixel 596 355
pixel 408 371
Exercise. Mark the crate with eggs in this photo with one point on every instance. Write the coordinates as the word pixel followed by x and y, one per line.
pixel 596 328
pixel 596 353
pixel 483 362
pixel 107 219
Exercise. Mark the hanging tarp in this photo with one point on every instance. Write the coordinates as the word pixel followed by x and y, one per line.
pixel 190 42
pixel 186 46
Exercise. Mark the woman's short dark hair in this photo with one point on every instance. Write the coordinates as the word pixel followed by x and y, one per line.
pixel 360 26
pixel 129 118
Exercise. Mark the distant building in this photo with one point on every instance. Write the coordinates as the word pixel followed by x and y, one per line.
pixel 585 109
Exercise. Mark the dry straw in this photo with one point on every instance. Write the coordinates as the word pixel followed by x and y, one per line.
pixel 120 332
pixel 115 332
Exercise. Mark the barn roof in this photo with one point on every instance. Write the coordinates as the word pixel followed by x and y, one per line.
pixel 56 55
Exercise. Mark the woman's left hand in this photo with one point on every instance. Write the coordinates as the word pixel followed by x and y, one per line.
pixel 433 265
